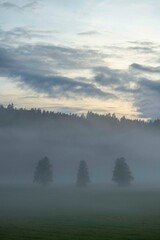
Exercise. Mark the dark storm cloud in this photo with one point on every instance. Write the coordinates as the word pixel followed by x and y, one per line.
pixel 9 5
pixel 142 68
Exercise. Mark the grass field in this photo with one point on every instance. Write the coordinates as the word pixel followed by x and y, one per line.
pixel 68 213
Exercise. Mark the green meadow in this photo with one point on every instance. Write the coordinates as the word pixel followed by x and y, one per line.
pixel 71 213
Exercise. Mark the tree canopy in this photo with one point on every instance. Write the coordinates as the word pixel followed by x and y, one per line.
pixel 83 174
pixel 43 173
pixel 121 173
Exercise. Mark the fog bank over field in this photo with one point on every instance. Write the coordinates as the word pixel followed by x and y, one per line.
pixel 67 139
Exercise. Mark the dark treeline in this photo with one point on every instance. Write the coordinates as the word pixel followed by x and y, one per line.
pixel 10 116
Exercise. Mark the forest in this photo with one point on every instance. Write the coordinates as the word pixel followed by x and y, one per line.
pixel 11 116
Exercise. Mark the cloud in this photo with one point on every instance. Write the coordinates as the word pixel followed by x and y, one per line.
pixel 142 43
pixel 10 36
pixel 142 68
pixel 69 58
pixel 106 76
pixel 22 35
pixel 60 56
pixel 89 33
pixel 28 67
pixel 59 86
pixel 145 93
pixel 147 103
pixel 147 98
pixel 60 71
pixel 142 49
pixel 8 5
pixel 150 84
pixel 128 90
pixel 29 5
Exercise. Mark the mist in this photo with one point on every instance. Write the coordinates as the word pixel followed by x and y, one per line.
pixel 66 141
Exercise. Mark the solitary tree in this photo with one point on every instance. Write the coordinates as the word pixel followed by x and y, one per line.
pixel 43 173
pixel 121 173
pixel 83 174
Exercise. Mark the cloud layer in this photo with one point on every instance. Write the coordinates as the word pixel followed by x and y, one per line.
pixel 73 72
pixel 38 67
pixel 9 5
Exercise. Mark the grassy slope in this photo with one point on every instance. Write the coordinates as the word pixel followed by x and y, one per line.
pixel 79 214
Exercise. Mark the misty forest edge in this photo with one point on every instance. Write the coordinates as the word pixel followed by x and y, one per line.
pixel 11 116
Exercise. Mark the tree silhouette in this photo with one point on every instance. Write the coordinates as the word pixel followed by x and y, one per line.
pixel 83 174
pixel 43 173
pixel 121 173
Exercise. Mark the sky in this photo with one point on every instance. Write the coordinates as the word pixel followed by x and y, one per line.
pixel 78 56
